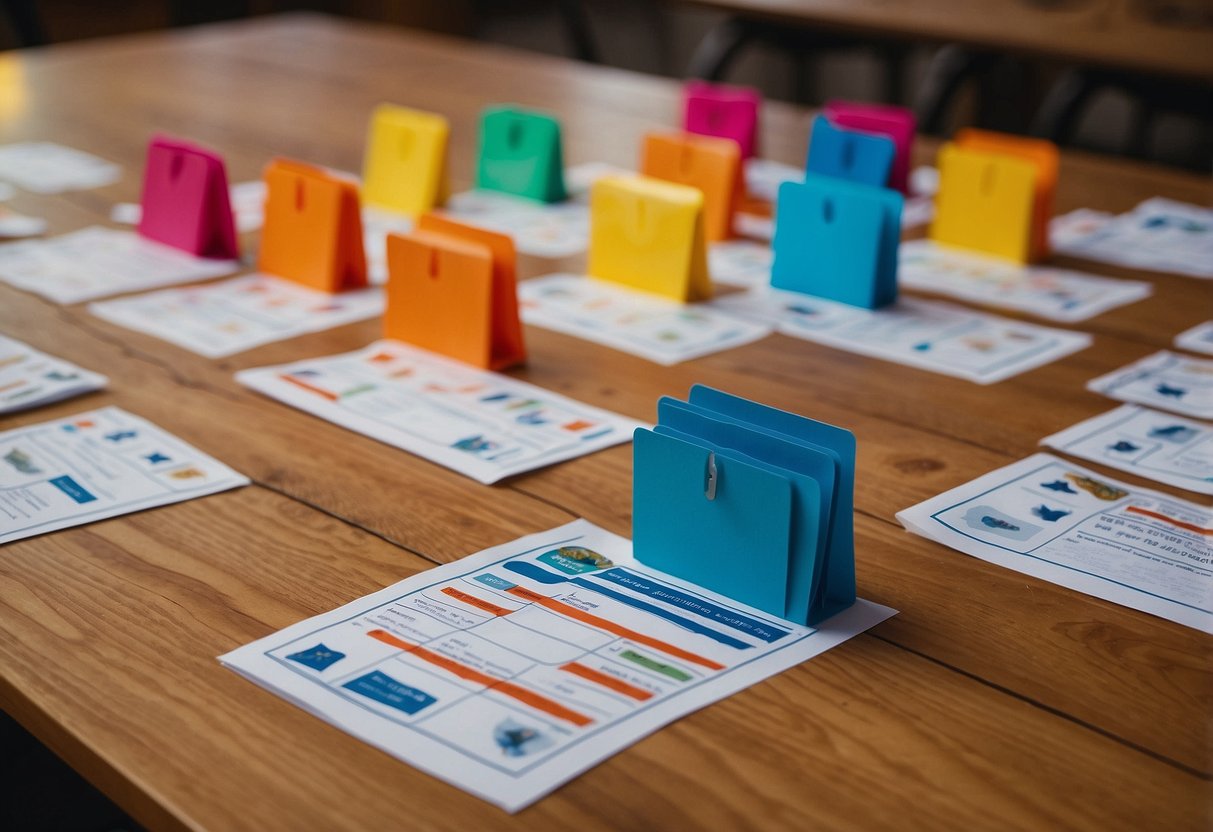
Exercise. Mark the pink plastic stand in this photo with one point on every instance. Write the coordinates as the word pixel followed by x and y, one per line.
pixel 723 111
pixel 185 200
pixel 895 122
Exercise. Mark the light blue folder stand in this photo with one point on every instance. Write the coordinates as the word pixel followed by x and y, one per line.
pixel 837 240
pixel 848 154
pixel 748 501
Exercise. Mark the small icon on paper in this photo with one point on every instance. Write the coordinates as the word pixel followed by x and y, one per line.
pixel 1124 447
pixel 1173 433
pixel 1051 515
pixel 319 657
pixel 22 461
pixel 1164 389
pixel 518 740
pixel 1097 489
pixel 1059 485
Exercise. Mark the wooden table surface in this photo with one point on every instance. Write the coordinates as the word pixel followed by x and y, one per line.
pixel 1165 38
pixel 992 701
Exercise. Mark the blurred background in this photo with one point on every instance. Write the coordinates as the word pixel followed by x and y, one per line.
pixel 1114 76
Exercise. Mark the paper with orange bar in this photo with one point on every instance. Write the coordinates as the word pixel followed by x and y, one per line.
pixel 1077 528
pixel 511 671
pixel 452 289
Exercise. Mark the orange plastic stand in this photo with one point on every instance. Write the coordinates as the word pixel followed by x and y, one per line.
pixel 313 228
pixel 452 289
pixel 710 164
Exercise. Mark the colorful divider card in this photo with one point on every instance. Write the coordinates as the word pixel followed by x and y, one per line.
pixel 509 672
pixel 29 378
pixel 661 330
pixel 1159 234
pixel 763 178
pixel 95 262
pixel 247 200
pixel 1197 339
pixel 1056 294
pixel 1166 380
pixel 218 319
pixel 1158 446
pixel 481 424
pixel 930 335
pixel 1064 524
pixel 49 168
pixel 743 263
pixel 96 465
pixel 559 229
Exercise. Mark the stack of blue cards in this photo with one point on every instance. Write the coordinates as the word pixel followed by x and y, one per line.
pixel 837 240
pixel 865 158
pixel 748 501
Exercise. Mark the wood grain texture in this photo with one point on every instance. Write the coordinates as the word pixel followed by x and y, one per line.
pixel 1110 33
pixel 993 700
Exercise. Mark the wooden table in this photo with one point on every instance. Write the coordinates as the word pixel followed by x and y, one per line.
pixel 993 700
pixel 1108 33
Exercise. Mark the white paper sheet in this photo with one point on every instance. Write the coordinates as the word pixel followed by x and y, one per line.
pixel 1056 294
pixel 1166 380
pixel 1159 234
pixel 95 262
pixel 247 200
pixel 377 224
pixel 95 465
pixel 49 168
pixel 29 378
pixel 639 323
pixel 743 263
pixel 484 425
pixel 559 229
pixel 1065 524
pixel 929 335
pixel 14 225
pixel 1158 446
pixel 1197 339
pixel 509 672
pixel 231 316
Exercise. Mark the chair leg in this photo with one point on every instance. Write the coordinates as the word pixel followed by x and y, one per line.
pixel 26 23
pixel 1058 114
pixel 577 27
pixel 950 68
pixel 718 49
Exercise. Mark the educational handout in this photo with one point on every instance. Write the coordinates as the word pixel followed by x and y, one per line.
pixel 1044 291
pixel 484 425
pixel 511 671
pixel 231 316
pixel 1159 234
pixel 1166 380
pixel 49 168
pixel 95 262
pixel 29 378
pixel 640 323
pixel 930 335
pixel 1065 524
pixel 95 465
pixel 1145 442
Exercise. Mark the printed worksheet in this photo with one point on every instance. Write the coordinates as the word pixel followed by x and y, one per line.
pixel 95 262
pixel 652 327
pixel 1158 446
pixel 1056 294
pixel 559 229
pixel 247 200
pixel 49 168
pixel 96 465
pixel 1061 523
pixel 14 225
pixel 743 263
pixel 1167 380
pixel 1197 339
pixel 231 316
pixel 511 671
pixel 930 335
pixel 484 425
pixel 1159 234
pixel 29 378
